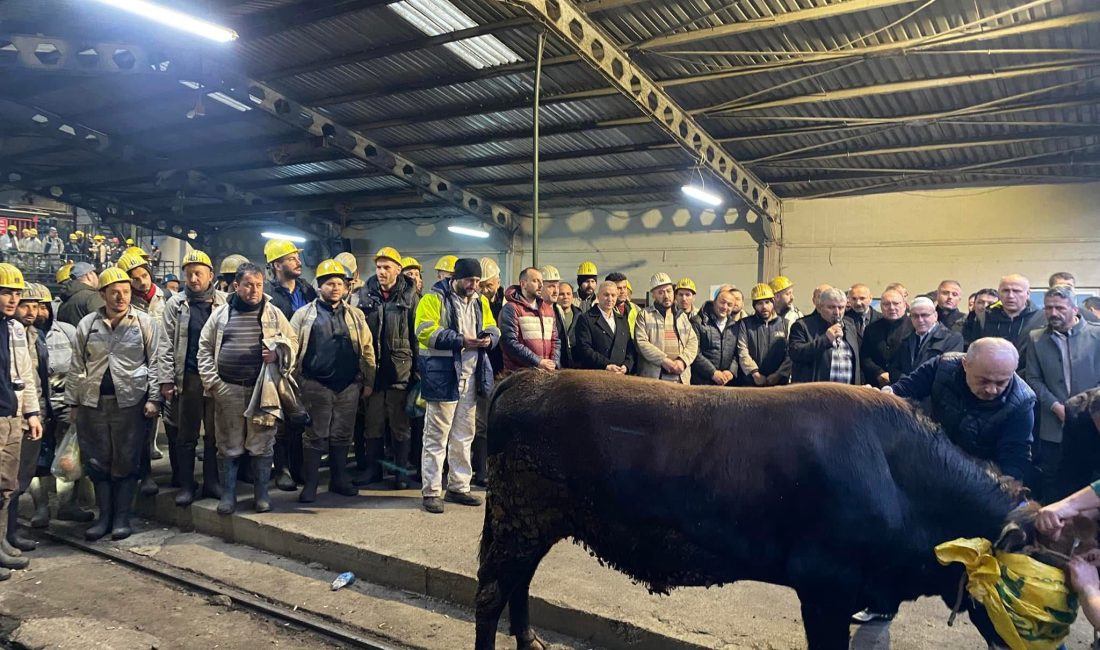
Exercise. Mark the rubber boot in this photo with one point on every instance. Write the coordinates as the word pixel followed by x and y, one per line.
pixel 261 470
pixel 478 458
pixel 294 447
pixel 371 471
pixel 4 574
pixel 15 537
pixel 339 481
pixel 102 526
pixel 185 459
pixel 283 481
pixel 227 472
pixel 401 464
pixel 123 492
pixel 172 434
pixel 211 485
pixel 149 487
pixel 8 557
pixel 40 494
pixel 68 503
pixel 311 475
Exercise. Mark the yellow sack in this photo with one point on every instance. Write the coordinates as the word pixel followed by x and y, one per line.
pixel 1029 603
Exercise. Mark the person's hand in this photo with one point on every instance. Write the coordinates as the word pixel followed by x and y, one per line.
pixel 367 391
pixel 758 378
pixel 1092 557
pixel 34 426
pixel 667 365
pixel 679 366
pixel 470 343
pixel 167 391
pixel 269 355
pixel 718 378
pixel 1053 518
pixel 620 369
pixel 834 332
pixel 1083 576
pixel 612 368
pixel 485 342
pixel 884 378
pixel 548 364
pixel 152 410
pixel 1059 411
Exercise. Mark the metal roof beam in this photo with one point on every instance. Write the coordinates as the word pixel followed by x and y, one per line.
pixel 298 14
pixel 599 50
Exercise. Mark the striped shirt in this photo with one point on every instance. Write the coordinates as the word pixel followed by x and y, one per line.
pixel 239 359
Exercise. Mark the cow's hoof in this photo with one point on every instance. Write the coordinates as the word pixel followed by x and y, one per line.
pixel 531 644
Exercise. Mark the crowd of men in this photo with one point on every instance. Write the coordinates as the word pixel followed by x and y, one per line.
pixel 276 376
pixel 22 247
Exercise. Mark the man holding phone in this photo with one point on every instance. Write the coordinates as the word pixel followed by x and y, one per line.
pixel 455 329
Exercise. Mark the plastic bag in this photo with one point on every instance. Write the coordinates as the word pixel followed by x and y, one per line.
pixel 66 462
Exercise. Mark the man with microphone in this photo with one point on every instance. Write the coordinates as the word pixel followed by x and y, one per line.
pixel 821 348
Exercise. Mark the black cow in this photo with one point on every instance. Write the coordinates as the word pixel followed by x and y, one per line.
pixel 839 492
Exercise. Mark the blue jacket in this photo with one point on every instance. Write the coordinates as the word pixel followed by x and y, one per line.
pixel 440 359
pixel 997 430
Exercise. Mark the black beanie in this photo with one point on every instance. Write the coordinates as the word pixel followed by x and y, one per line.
pixel 467 267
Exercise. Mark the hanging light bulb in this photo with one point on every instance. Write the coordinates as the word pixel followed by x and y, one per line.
pixel 698 190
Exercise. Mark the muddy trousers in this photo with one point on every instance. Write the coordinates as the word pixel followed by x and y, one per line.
pixel 191 411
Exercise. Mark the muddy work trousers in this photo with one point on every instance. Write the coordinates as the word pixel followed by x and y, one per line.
pixel 111 438
pixel 190 412
pixel 234 432
pixel 11 442
pixel 333 415
pixel 387 405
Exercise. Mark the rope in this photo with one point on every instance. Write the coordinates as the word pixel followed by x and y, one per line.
pixel 958 600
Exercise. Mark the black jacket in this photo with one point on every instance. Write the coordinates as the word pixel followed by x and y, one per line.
pixel 392 326
pixel 1016 330
pixel 860 322
pixel 811 351
pixel 597 347
pixel 766 344
pixel 971 329
pixel 997 430
pixel 564 335
pixel 880 341
pixel 717 348
pixel 280 297
pixel 949 318
pixel 912 354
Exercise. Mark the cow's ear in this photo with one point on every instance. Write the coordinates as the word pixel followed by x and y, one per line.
pixel 1012 539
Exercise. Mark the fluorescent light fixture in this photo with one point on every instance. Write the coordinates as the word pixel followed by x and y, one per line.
pixel 37 213
pixel 218 96
pixel 173 18
pixel 699 194
pixel 469 232
pixel 435 17
pixel 279 235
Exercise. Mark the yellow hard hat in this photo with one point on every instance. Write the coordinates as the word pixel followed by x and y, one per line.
pixel 34 232
pixel 129 241
pixel 489 269
pixel 278 248
pixel 686 283
pixel 349 262
pixel 79 233
pixel 112 275
pixel 11 277
pixel 196 257
pixel 762 292
pixel 64 273
pixel 231 263
pixel 31 293
pixel 587 268
pixel 44 294
pixel 390 253
pixel 136 250
pixel 628 286
pixel 446 263
pixel 329 268
pixel 26 232
pixel 779 283
pixel 99 237
pixel 409 263
pixel 73 237
pixel 130 262
pixel 550 274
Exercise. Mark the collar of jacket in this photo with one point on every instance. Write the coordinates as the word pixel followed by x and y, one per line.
pixel 515 294
pixel 239 305
pixel 102 311
pixel 401 293
pixel 321 304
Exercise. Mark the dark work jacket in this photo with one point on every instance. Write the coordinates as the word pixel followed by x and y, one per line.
pixel 881 339
pixel 766 344
pixel 860 322
pixel 565 335
pixel 597 347
pixel 971 329
pixel 908 357
pixel 1016 330
pixel 280 297
pixel 997 430
pixel 811 351
pixel 393 327
pixel 717 348
pixel 949 318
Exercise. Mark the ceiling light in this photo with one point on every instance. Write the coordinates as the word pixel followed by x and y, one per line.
pixel 278 235
pixel 176 19
pixel 218 96
pixel 469 232
pixel 435 17
pixel 699 194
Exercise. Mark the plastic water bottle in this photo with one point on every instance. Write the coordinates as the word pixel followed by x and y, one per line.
pixel 343 580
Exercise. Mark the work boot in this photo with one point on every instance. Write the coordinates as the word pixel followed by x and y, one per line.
pixel 283 480
pixel 15 536
pixel 478 456
pixel 123 493
pixel 461 498
pixel 433 505
pixel 4 574
pixel 172 433
pixel 149 487
pixel 102 526
pixel 68 503
pixel 339 481
pixel 311 475
pixel 185 460
pixel 227 473
pixel 401 470
pixel 40 494
pixel 9 556
pixel 261 470
pixel 371 469
pixel 211 486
